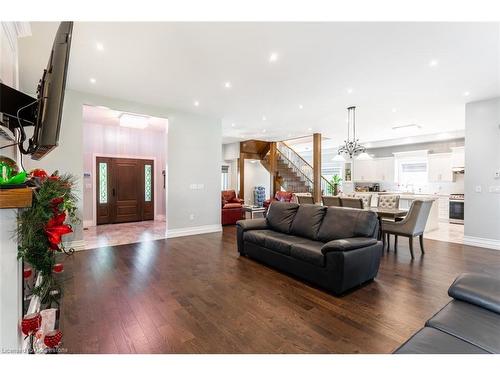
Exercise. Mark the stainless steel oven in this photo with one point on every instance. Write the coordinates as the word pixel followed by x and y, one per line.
pixel 456 209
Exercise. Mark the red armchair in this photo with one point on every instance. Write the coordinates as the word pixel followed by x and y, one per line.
pixel 232 207
pixel 280 196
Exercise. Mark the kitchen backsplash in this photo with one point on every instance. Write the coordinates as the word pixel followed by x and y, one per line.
pixel 445 188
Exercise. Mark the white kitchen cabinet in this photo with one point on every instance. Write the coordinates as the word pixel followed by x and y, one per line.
pixel 364 171
pixel 444 208
pixel 384 169
pixel 440 167
pixel 457 157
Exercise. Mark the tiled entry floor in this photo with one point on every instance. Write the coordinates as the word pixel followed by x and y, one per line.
pixel 447 232
pixel 120 234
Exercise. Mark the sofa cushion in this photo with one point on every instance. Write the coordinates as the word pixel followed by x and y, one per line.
pixel 307 221
pixel 432 341
pixel 232 205
pixel 281 242
pixel 480 290
pixel 341 222
pixel 257 236
pixel 470 323
pixel 280 216
pixel 308 251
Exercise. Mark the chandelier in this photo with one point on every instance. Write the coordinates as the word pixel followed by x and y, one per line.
pixel 351 147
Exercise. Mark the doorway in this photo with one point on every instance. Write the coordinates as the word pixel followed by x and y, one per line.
pixel 124 190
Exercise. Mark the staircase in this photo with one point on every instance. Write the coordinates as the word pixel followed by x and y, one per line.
pixel 293 172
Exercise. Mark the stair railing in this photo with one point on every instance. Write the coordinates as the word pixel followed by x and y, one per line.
pixel 303 168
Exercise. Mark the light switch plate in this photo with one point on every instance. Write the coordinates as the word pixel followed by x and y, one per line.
pixel 478 189
pixel 495 189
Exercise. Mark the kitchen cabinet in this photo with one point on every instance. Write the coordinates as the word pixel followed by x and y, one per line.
pixel 364 170
pixel 444 208
pixel 384 169
pixel 439 167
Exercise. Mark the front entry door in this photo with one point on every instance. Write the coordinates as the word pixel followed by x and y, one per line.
pixel 125 190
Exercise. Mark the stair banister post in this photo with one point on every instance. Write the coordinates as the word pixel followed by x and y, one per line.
pixel 273 168
pixel 317 167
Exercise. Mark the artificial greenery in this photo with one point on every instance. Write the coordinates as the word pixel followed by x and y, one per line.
pixel 334 184
pixel 53 202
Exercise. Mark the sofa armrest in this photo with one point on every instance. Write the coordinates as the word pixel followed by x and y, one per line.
pixel 252 224
pixel 477 289
pixel 244 225
pixel 347 244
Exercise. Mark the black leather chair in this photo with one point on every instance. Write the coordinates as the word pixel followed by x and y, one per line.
pixel 335 248
pixel 469 324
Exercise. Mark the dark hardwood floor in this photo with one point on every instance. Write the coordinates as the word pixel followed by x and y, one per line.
pixel 196 295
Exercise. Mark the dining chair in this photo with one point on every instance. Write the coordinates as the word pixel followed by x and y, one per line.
pixel 351 202
pixel 305 199
pixel 367 199
pixel 388 201
pixel 412 225
pixel 331 201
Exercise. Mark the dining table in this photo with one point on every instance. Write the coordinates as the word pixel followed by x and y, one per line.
pixel 387 213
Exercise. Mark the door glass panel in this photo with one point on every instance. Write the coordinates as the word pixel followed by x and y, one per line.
pixel 103 183
pixel 147 182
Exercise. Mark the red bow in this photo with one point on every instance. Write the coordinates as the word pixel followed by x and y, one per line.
pixel 56 228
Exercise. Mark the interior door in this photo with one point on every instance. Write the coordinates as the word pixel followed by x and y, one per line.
pixel 125 190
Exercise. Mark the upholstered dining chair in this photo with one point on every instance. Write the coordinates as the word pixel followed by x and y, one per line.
pixel 388 201
pixel 305 199
pixel 331 201
pixel 412 225
pixel 367 199
pixel 351 202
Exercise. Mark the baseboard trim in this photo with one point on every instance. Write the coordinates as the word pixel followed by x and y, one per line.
pixel 191 231
pixel 482 242
pixel 88 223
pixel 77 245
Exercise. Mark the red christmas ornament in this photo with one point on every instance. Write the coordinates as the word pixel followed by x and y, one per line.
pixel 27 272
pixel 31 323
pixel 39 173
pixel 58 268
pixel 53 338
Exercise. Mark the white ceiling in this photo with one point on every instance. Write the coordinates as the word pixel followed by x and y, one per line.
pixel 386 65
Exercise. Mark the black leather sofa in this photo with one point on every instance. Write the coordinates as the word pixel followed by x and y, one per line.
pixel 335 248
pixel 469 324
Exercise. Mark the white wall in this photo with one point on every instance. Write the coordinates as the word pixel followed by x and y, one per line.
pixel 255 175
pixel 193 157
pixel 119 141
pixel 482 160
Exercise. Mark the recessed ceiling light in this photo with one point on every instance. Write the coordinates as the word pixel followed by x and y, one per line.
pixel 93 80
pixel 433 63
pixel 301 106
pixel 196 103
pixel 289 135
pixel 227 85
pixel 273 57
pixel 263 130
pixel 466 93
pixel 349 91
pixel 99 46
pixel 233 125
pixel 394 110
pixel 309 129
pixel 264 118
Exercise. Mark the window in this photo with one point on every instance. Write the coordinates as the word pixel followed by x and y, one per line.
pixel 412 173
pixel 103 183
pixel 225 177
pixel 147 183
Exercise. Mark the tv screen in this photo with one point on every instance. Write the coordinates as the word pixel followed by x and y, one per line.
pixel 51 94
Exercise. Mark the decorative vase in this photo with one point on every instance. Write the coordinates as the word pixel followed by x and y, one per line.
pixel 335 189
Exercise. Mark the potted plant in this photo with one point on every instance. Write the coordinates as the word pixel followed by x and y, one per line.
pixel 335 181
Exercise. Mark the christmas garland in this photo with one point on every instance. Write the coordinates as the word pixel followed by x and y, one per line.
pixel 41 227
